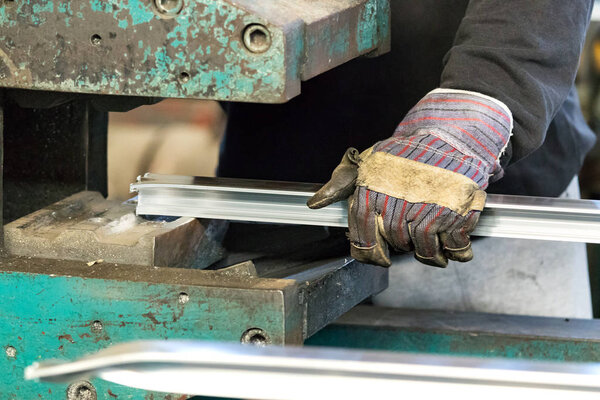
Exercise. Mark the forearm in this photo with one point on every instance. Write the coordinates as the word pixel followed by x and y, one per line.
pixel 524 53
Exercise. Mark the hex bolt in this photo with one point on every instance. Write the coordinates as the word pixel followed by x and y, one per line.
pixel 183 298
pixel 82 390
pixel 257 38
pixel 169 8
pixel 96 39
pixel 255 336
pixel 97 326
pixel 11 352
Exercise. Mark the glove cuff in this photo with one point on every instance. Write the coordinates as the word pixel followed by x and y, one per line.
pixel 462 131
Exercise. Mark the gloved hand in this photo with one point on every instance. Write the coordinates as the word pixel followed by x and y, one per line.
pixel 423 188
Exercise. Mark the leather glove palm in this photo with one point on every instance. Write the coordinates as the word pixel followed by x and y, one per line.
pixel 423 188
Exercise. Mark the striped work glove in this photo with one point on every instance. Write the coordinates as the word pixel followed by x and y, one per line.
pixel 423 188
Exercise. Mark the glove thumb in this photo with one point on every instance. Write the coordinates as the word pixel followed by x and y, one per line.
pixel 342 182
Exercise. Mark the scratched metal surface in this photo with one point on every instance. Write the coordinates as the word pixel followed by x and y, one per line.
pixel 50 309
pixel 125 47
pixel 52 316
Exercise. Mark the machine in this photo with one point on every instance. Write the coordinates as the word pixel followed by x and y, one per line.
pixel 79 273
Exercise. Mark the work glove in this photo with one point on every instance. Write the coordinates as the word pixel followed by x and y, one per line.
pixel 423 188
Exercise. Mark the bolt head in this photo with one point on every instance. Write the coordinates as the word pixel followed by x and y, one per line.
pixel 169 7
pixel 257 38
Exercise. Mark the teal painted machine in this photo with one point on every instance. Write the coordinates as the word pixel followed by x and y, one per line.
pixel 71 283
pixel 63 66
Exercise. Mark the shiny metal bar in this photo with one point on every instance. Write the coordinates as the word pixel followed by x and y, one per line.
pixel 288 373
pixel 284 202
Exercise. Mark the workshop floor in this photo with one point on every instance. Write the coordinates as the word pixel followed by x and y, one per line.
pixel 147 138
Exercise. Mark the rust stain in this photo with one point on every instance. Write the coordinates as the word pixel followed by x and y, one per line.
pixel 151 317
pixel 85 335
pixel 61 347
pixel 19 337
pixel 183 397
pixel 66 337
pixel 111 394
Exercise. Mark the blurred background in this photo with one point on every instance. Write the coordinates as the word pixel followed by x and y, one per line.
pixel 147 138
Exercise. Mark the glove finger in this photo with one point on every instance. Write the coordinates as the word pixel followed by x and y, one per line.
pixel 393 212
pixel 341 185
pixel 423 233
pixel 367 243
pixel 456 240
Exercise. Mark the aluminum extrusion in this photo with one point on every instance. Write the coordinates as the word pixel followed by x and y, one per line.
pixel 285 203
pixel 288 373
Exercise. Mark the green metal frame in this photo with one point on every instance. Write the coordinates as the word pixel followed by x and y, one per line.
pixel 464 334
pixel 58 309
pixel 45 316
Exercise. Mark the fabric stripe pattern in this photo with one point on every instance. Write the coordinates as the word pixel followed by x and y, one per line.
pixel 459 131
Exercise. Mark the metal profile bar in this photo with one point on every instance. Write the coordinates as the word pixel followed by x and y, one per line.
pixel 288 373
pixel 284 202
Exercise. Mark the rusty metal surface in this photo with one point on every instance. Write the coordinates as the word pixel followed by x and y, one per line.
pixel 244 50
pixel 63 309
pixel 87 227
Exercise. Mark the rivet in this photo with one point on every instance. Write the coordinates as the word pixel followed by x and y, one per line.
pixel 97 326
pixel 183 298
pixel 82 390
pixel 11 352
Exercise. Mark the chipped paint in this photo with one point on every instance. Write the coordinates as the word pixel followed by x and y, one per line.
pixel 141 54
pixel 57 322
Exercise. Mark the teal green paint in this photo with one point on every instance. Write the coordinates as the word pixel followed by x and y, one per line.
pixel 231 72
pixel 46 317
pixel 3 18
pixel 140 12
pixel 101 6
pixel 459 343
pixel 147 53
pixel 48 7
pixel 340 43
pixel 383 20
pixel 367 34
pixel 38 16
pixel 65 8
pixel 178 36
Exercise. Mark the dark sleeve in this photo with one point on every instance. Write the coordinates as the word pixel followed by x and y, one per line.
pixel 524 53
